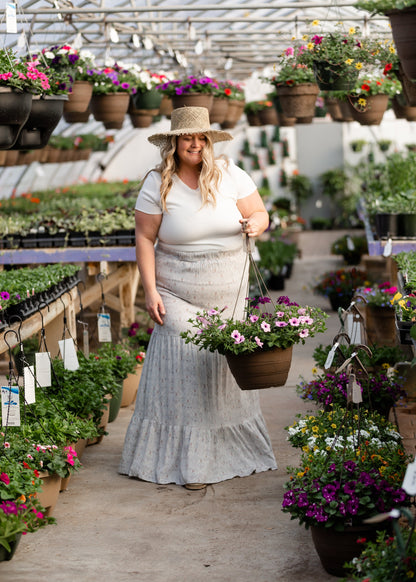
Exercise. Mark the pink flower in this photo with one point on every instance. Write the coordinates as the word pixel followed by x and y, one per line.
pixel 302 311
pixel 304 333
pixel 265 326
pixel 7 445
pixel 5 478
pixel 213 312
pixel 280 314
pixel 254 318
pixel 258 342
pixel 289 51
pixel 281 323
pixel 294 321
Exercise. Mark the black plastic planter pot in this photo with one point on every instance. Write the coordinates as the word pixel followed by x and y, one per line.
pixel 386 225
pixel 406 225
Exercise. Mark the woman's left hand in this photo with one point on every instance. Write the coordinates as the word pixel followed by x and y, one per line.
pixel 251 226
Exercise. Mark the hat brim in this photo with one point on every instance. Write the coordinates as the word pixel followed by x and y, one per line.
pixel 216 135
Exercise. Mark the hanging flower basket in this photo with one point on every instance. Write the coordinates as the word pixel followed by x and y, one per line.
pixel 110 109
pixel 76 117
pixel 166 106
pixel 14 110
pixel 372 113
pixel 80 97
pixel 45 114
pixel 219 110
pixel 234 112
pixel 298 100
pixel 193 100
pixel 261 369
pixel 408 86
pixel 334 110
pixel 147 100
pixel 403 25
pixel 334 77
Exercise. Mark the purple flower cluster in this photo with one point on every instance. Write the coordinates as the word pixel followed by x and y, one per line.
pixel 351 493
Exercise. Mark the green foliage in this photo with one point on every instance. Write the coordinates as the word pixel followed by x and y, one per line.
pixel 383 6
pixel 275 254
pixel 333 183
pixel 301 187
pixel 350 247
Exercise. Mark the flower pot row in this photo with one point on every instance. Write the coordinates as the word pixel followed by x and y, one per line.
pixel 394 225
pixel 125 237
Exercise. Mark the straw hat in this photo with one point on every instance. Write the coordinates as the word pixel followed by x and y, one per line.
pixel 189 120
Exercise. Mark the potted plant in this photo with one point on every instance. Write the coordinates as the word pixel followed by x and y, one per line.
pixel 251 109
pixel 369 99
pixel 295 85
pixel 333 492
pixel 405 316
pixel 378 312
pixel 379 391
pixel 300 186
pixel 267 332
pixel 276 258
pixel 384 144
pixel 235 95
pixel 190 90
pixel 357 145
pixel 340 285
pixel 351 248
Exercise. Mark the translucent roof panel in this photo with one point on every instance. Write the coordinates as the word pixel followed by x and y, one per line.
pixel 228 39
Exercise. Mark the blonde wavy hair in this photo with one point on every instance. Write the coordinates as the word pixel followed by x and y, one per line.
pixel 209 176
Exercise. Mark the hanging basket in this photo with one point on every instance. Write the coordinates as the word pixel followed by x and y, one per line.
pixel 408 86
pixel 166 106
pixel 193 100
pixel 45 114
pixel 261 369
pixel 142 118
pixel 79 99
pixel 147 100
pixel 374 110
pixel 298 100
pixel 333 108
pixel 110 109
pixel 403 26
pixel 14 111
pixel 219 110
pixel 234 112
pixel 334 77
pixel 269 116
pixel 76 117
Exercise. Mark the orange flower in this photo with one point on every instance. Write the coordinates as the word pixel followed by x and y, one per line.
pixel 35 200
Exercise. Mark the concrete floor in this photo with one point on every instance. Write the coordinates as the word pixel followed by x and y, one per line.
pixel 114 529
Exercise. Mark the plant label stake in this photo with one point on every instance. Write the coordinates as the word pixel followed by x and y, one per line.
pixel 388 248
pixel 10 406
pixel 69 354
pixel 354 390
pixel 330 356
pixel 103 318
pixel 29 384
pixel 409 481
pixel 43 359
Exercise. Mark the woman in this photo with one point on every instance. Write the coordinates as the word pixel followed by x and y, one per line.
pixel 192 424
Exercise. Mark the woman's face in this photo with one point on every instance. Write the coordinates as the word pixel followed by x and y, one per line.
pixel 189 148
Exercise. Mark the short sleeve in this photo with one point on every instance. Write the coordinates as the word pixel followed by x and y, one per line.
pixel 243 182
pixel 148 200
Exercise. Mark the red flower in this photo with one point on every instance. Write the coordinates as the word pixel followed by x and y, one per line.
pixel 227 91
pixel 365 87
pixel 5 478
pixel 25 465
pixel 36 473
pixel 387 68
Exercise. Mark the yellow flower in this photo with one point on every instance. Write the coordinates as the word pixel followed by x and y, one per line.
pixel 293 37
pixel 358 66
pixel 392 49
pixel 362 102
pixel 328 448
pixel 315 23
pixel 349 61
pixel 386 366
pixel 300 474
pixel 410 574
pixel 310 46
pixel 315 429
pixel 314 370
pixel 333 425
pixel 305 37
pixel 304 429
pixel 402 304
pixel 351 30
pixel 355 416
pixel 305 449
pixel 396 297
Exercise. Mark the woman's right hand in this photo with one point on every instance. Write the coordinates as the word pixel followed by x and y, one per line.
pixel 155 307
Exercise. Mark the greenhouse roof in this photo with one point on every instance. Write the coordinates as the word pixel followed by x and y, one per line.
pixel 227 39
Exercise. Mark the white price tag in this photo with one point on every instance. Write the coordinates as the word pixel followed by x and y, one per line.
pixel 388 248
pixel 11 23
pixel 353 326
pixel 409 481
pixel 330 356
pixel 104 327
pixel 350 244
pixel 86 342
pixel 29 384
pixel 43 369
pixel 356 394
pixel 69 354
pixel 10 406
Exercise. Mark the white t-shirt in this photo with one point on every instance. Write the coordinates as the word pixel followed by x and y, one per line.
pixel 189 226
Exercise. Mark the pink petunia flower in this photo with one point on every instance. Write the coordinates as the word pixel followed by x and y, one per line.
pixel 294 321
pixel 304 333
pixel 281 323
pixel 265 326
pixel 258 342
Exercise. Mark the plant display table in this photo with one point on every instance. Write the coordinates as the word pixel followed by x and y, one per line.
pixel 119 285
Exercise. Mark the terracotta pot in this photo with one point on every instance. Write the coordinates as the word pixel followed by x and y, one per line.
pixel 299 100
pixel 79 99
pixel 110 109
pixel 403 25
pixel 219 110
pixel 45 114
pixel 269 116
pixel 380 326
pixel 334 548
pixel 76 117
pixel 253 119
pixel 142 118
pixel 48 497
pixel 261 369
pixel 193 100
pixel 333 108
pixel 345 111
pixel 374 110
pixel 408 87
pixel 3 157
pixel 166 106
pixel 79 447
pixel 12 157
pixel 14 111
pixel 401 109
pixel 234 112
pixel 302 120
pixel 130 387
